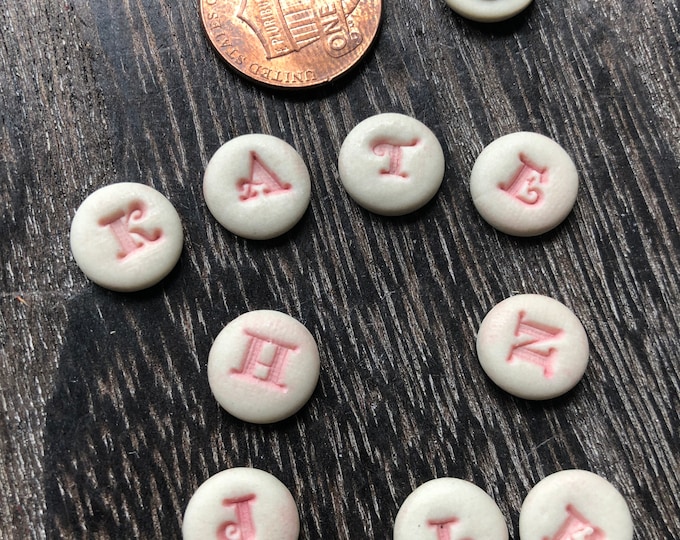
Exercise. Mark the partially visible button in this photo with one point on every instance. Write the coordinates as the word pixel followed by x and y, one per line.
pixel 448 508
pixel 241 504
pixel 524 184
pixel 391 164
pixel 488 10
pixel 533 346
pixel 257 186
pixel 126 237
pixel 575 504
pixel 263 366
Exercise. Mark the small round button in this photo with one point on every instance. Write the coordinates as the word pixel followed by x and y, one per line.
pixel 391 164
pixel 126 237
pixel 533 346
pixel 257 186
pixel 448 508
pixel 263 366
pixel 488 10
pixel 575 504
pixel 241 504
pixel 524 184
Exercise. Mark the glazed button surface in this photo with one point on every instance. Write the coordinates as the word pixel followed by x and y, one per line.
pixel 533 346
pixel 257 186
pixel 391 164
pixel 126 237
pixel 488 10
pixel 575 504
pixel 449 508
pixel 524 184
pixel 241 504
pixel 263 366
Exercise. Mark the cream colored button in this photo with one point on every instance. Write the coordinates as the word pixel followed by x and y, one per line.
pixel 575 505
pixel 263 366
pixel 447 509
pixel 533 346
pixel 524 184
pixel 488 10
pixel 257 186
pixel 241 504
pixel 126 237
pixel 391 164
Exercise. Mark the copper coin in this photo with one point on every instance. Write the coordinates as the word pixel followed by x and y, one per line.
pixel 291 43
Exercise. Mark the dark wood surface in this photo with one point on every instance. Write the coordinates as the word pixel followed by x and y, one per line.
pixel 108 424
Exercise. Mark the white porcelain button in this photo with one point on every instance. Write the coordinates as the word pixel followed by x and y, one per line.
pixel 575 505
pixel 448 509
pixel 263 366
pixel 533 346
pixel 257 186
pixel 524 184
pixel 126 237
pixel 488 10
pixel 391 164
pixel 241 504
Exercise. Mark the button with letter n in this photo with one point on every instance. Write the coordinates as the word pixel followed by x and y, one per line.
pixel 533 346
pixel 241 504
pixel 263 366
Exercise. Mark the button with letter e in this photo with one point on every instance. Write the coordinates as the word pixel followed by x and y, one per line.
pixel 263 366
pixel 524 184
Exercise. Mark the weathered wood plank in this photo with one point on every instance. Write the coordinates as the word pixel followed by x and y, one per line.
pixel 108 424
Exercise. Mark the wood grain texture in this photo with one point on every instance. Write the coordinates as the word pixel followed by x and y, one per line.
pixel 108 424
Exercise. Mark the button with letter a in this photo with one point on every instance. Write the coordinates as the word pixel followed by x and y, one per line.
pixel 533 346
pixel 126 237
pixel 263 366
pixel 575 505
pixel 241 504
pixel 524 184
pixel 257 186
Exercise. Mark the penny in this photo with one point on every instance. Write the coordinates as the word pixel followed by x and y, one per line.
pixel 291 43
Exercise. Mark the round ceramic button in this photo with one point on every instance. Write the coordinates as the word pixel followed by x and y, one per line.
pixel 533 346
pixel 241 504
pixel 575 504
pixel 391 164
pixel 257 186
pixel 488 10
pixel 126 237
pixel 263 366
pixel 524 184
pixel 448 508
